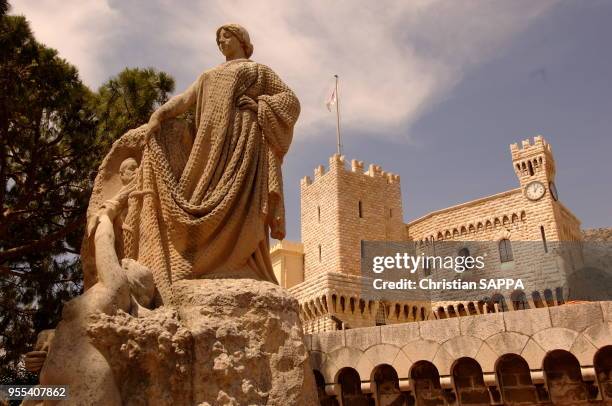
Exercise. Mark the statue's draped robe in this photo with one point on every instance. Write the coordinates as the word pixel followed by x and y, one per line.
pixel 210 217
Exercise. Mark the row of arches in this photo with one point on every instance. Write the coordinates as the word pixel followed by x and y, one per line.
pixel 562 383
pixel 518 300
pixel 473 228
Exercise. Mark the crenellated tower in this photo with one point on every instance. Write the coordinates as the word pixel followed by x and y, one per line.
pixel 343 207
pixel 533 162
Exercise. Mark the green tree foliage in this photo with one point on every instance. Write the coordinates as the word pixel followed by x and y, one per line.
pixel 4 7
pixel 127 100
pixel 47 150
pixel 53 133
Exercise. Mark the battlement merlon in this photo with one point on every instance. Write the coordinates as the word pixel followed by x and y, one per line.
pixel 527 149
pixel 337 162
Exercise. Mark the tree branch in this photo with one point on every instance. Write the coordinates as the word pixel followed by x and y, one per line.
pixel 43 243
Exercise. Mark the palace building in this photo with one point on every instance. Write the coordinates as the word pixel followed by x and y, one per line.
pixel 516 347
pixel 342 207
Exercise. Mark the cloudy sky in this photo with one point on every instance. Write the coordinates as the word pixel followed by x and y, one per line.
pixel 434 90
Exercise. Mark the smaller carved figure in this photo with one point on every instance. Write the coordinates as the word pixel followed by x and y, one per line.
pixel 127 170
pixel 122 286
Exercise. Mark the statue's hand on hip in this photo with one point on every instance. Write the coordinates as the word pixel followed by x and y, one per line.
pixel 245 102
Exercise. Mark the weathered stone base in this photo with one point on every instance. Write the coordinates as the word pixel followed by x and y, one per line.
pixel 248 343
pixel 151 357
pixel 228 342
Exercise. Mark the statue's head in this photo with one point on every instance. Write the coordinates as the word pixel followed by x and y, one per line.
pixel 127 170
pixel 233 40
pixel 140 279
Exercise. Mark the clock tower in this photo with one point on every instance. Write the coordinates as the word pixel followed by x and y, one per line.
pixel 534 166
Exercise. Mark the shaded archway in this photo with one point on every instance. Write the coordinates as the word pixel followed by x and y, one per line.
pixel 563 378
pixel 350 388
pixel 387 387
pixel 426 384
pixel 472 309
pixel 537 300
pixel 500 301
pixel 514 380
pixel 469 383
pixel 519 300
pixel 603 370
pixel 324 399
pixel 549 298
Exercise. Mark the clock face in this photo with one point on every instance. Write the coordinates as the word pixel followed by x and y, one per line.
pixel 534 190
pixel 553 191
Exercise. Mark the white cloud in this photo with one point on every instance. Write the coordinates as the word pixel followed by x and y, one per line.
pixel 77 29
pixel 394 62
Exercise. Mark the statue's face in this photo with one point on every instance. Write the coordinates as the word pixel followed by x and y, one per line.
pixel 229 44
pixel 128 170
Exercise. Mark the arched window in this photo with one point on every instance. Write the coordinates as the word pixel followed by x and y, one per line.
pixel 519 300
pixel 469 383
pixel 350 387
pixel 324 399
pixel 603 370
pixel 426 378
pixel 499 299
pixel 505 250
pixel 472 309
pixel 463 252
pixel 387 386
pixel 537 300
pixel 548 296
pixel 530 168
pixel 380 318
pixel 515 380
pixel 564 378
pixel 461 310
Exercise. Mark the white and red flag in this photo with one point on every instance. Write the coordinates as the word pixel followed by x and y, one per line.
pixel 332 99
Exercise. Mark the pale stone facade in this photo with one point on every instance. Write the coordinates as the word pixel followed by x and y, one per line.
pixel 556 355
pixel 384 353
pixel 342 207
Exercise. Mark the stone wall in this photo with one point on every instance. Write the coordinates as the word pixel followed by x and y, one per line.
pixel 557 347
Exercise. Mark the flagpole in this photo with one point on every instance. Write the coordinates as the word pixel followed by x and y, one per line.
pixel 338 118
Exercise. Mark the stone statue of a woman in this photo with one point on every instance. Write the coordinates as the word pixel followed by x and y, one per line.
pixel 209 214
pixel 193 211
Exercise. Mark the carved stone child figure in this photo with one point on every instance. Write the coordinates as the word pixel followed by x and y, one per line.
pixel 128 286
pixel 127 170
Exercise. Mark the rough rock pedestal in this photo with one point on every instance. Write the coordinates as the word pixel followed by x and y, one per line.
pixel 248 343
pixel 224 342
